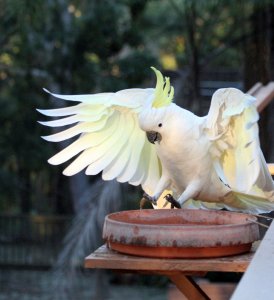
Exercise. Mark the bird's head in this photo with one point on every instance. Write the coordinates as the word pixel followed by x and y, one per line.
pixel 155 116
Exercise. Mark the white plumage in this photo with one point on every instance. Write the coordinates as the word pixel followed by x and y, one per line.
pixel 207 162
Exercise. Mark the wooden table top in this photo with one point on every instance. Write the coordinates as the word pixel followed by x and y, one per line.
pixel 105 258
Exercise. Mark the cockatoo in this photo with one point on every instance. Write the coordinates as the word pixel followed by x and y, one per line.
pixel 141 137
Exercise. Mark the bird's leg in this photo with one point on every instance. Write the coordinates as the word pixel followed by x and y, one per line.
pixel 173 202
pixel 161 186
pixel 147 198
pixel 191 191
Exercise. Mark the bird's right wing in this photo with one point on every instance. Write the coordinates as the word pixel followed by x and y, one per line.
pixel 110 139
pixel 231 126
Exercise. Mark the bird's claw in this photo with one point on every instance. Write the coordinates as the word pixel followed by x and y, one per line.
pixel 169 198
pixel 147 198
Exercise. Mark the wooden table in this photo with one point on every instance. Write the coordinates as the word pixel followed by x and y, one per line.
pixel 179 271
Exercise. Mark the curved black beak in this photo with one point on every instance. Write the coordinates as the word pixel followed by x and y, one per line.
pixel 153 136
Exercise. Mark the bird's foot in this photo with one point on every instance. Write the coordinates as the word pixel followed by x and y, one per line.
pixel 169 198
pixel 147 198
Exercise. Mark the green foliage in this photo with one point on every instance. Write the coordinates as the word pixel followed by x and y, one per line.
pixel 67 46
pixel 85 46
pixel 209 26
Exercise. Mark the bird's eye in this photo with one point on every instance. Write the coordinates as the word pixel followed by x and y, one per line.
pixel 160 125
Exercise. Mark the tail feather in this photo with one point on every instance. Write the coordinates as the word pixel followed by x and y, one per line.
pixel 253 204
pixel 238 202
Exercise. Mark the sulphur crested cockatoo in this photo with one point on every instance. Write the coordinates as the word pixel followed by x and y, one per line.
pixel 139 136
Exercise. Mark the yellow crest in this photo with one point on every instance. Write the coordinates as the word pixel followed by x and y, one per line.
pixel 164 92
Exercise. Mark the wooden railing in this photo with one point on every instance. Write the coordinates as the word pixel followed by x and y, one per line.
pixel 264 95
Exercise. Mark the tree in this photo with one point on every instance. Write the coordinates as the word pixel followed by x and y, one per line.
pixel 68 47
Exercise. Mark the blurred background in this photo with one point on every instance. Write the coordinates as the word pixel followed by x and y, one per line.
pixel 49 222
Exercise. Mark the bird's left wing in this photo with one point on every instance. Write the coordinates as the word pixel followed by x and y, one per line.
pixel 110 138
pixel 231 125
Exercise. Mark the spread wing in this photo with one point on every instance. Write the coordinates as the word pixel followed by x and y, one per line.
pixel 110 139
pixel 231 125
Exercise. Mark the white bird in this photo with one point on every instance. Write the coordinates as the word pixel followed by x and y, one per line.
pixel 139 136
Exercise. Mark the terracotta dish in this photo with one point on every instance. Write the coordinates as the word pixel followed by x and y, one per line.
pixel 180 233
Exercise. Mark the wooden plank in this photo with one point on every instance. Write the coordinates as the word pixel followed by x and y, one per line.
pixel 258 281
pixel 220 290
pixel 104 258
pixel 263 93
pixel 188 287
pixel 255 88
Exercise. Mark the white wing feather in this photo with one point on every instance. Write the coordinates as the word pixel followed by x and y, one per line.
pixel 232 128
pixel 110 138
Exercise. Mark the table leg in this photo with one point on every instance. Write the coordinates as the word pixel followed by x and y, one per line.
pixel 188 287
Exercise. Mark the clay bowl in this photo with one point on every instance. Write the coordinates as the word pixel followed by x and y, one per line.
pixel 180 233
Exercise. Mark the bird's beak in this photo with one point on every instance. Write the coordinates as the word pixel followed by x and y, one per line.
pixel 153 136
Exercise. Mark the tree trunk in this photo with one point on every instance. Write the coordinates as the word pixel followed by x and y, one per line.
pixel 257 56
pixel 194 57
pixel 257 49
